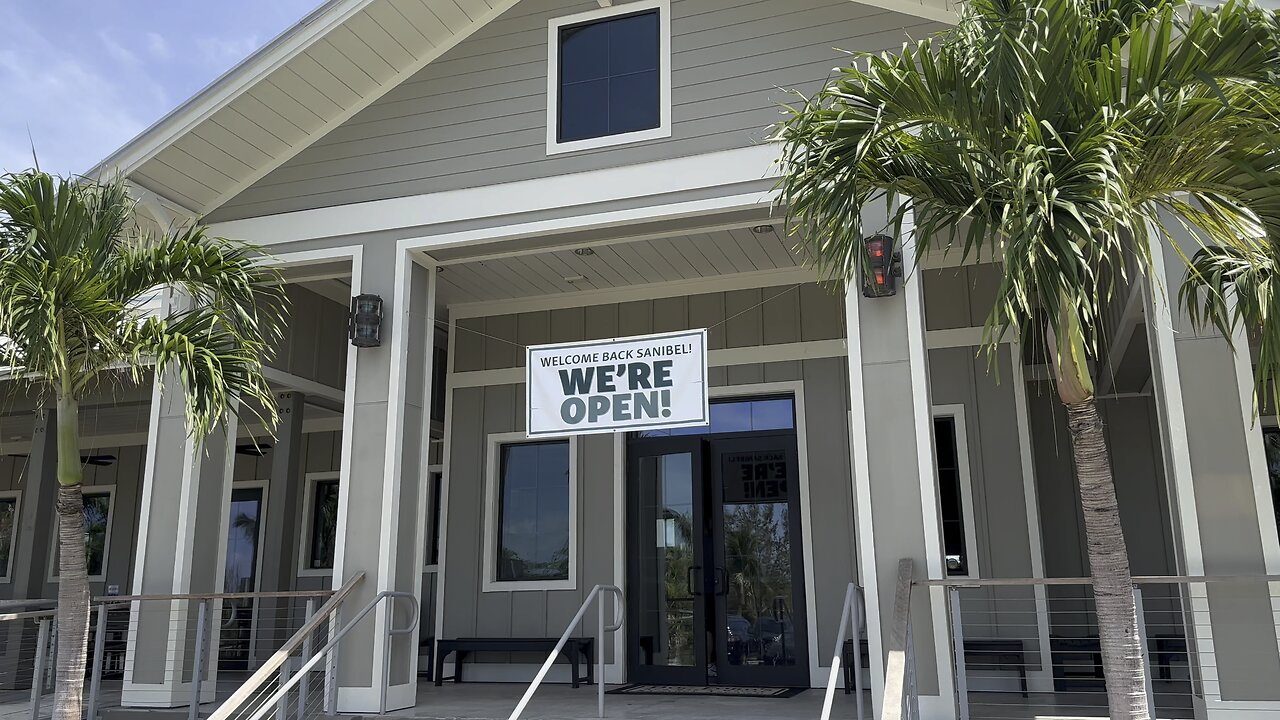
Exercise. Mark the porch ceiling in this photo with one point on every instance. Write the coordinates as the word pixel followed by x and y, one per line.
pixel 570 269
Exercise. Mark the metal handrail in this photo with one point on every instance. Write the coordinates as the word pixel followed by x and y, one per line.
pixel 1137 580
pixel 602 628
pixel 278 658
pixel 269 704
pixel 851 610
pixel 899 674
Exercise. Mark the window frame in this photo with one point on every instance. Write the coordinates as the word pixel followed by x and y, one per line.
pixel 86 491
pixel 554 25
pixel 956 413
pixel 313 480
pixel 494 445
pixel 16 497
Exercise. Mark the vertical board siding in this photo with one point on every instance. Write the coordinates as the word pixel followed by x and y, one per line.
pixel 477 115
pixel 737 319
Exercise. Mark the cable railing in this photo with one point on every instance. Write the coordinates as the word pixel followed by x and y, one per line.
pixel 304 685
pixel 205 642
pixel 851 613
pixel 1029 647
pixel 596 594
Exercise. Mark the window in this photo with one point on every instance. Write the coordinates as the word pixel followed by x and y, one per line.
pixel 740 415
pixel 959 544
pixel 1271 444
pixel 609 77
pixel 531 538
pixel 433 518
pixel 8 532
pixel 324 524
pixel 97 533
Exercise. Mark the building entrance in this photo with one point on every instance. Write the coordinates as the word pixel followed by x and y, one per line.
pixel 715 570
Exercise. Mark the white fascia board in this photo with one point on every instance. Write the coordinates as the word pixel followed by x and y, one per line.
pixel 916 8
pixel 228 87
pixel 693 172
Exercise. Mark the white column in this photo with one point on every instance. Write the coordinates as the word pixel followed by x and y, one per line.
pixel 185 496
pixel 384 487
pixel 1220 497
pixel 895 479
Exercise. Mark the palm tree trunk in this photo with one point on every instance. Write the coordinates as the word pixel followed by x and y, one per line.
pixel 1108 555
pixel 73 580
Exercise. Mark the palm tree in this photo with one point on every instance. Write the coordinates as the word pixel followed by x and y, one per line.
pixel 1067 139
pixel 75 273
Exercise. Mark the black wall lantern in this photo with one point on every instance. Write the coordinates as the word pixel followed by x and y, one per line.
pixel 883 267
pixel 364 324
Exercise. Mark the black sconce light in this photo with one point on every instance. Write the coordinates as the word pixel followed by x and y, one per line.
pixel 364 324
pixel 883 267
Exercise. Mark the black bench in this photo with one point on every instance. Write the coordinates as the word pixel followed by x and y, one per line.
pixel 997 654
pixel 983 654
pixel 574 650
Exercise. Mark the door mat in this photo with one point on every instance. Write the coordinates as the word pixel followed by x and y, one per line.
pixel 708 690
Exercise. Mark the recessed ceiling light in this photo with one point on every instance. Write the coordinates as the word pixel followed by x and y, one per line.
pixel 762 229
pixel 583 252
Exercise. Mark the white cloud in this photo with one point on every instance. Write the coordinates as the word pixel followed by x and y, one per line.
pixel 225 52
pixel 72 110
pixel 158 46
pixel 116 51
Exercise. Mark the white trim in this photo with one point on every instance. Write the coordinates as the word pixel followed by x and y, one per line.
pixel 726 357
pixel 618 673
pixel 445 460
pixel 87 491
pixel 861 478
pixel 16 497
pixel 650 291
pixel 554 145
pixel 914 9
pixel 307 523
pixel 795 388
pixel 629 182
pixel 489 581
pixel 1038 680
pixel 957 414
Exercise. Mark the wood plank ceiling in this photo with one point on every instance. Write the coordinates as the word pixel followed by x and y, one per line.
pixel 567 270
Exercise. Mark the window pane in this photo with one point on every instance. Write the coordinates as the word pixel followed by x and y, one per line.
pixel 730 416
pixel 8 517
pixel 584 52
pixel 96 511
pixel 608 80
pixel 950 498
pixel 534 512
pixel 633 43
pixel 633 102
pixel 584 110
pixel 241 571
pixel 433 536
pixel 324 525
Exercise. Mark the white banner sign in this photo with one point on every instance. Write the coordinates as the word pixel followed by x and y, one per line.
pixel 637 383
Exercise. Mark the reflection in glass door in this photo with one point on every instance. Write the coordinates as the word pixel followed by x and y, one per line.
pixel 762 637
pixel 240 576
pixel 667 628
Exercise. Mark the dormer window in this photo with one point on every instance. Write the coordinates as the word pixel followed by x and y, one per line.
pixel 609 78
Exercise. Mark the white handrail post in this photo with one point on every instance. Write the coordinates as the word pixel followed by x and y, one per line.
pixel 836 655
pixel 197 663
pixel 1140 617
pixel 37 678
pixel 856 613
pixel 95 676
pixel 957 635
pixel 331 670
pixel 303 690
pixel 600 657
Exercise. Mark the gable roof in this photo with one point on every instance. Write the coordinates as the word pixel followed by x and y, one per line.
pixel 307 81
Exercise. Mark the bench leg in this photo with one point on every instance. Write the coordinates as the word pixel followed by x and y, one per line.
pixel 439 673
pixel 590 655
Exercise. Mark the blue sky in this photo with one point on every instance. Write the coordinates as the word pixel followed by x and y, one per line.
pixel 85 76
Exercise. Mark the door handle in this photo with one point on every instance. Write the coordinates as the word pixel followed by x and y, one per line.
pixel 688 580
pixel 722 581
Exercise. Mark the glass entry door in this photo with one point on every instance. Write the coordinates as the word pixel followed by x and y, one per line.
pixel 240 576
pixel 762 637
pixel 715 578
pixel 667 613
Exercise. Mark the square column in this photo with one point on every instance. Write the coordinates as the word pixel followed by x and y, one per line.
pixel 382 500
pixel 1220 497
pixel 895 496
pixel 185 497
